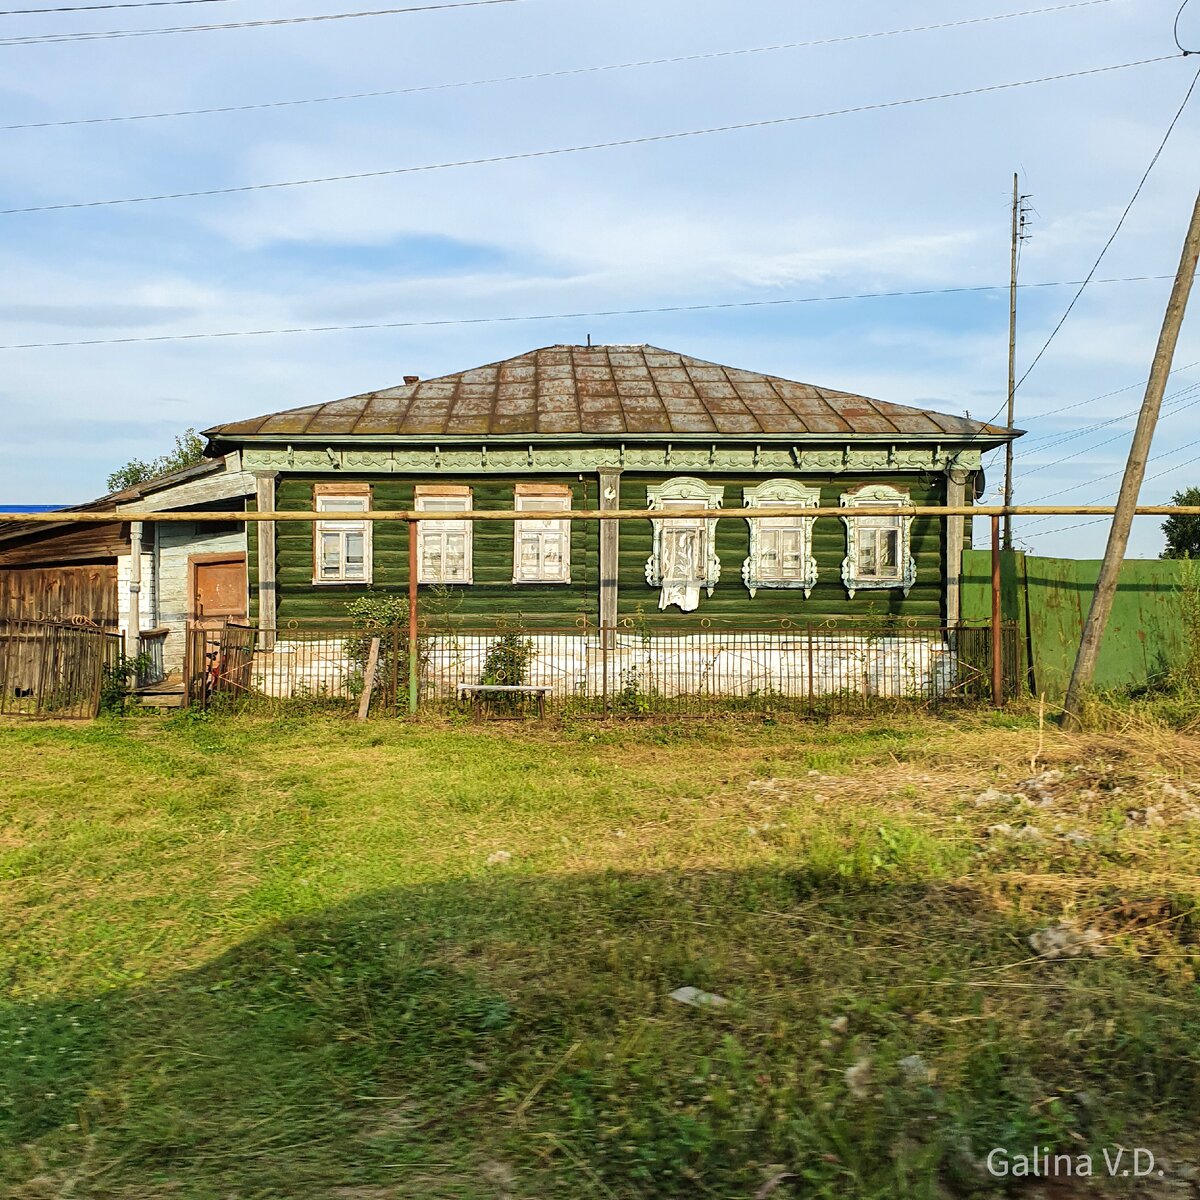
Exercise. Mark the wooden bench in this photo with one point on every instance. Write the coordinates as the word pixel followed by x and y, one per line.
pixel 478 691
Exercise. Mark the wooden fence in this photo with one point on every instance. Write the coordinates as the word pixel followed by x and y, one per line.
pixel 60 594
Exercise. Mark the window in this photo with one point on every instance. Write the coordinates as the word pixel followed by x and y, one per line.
pixel 878 547
pixel 542 545
pixel 780 547
pixel 443 547
pixel 342 549
pixel 684 558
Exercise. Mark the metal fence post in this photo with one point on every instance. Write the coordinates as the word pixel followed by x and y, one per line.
pixel 413 657
pixel 997 648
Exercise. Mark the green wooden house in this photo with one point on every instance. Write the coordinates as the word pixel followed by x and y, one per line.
pixel 622 426
pixel 606 427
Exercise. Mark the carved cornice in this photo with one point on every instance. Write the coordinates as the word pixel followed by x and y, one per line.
pixel 535 459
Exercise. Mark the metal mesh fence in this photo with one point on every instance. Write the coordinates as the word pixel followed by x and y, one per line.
pixel 634 669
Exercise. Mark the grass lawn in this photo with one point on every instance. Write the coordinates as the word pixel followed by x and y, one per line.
pixel 251 958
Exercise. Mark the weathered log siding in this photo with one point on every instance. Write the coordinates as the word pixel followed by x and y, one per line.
pixel 731 602
pixel 493 593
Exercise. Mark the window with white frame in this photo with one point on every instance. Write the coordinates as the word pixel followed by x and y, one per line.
pixel 780 547
pixel 684 558
pixel 878 546
pixel 342 548
pixel 443 547
pixel 542 543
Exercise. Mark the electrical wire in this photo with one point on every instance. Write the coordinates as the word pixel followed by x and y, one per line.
pixel 1110 475
pixel 1054 412
pixel 567 316
pixel 647 139
pixel 1112 237
pixel 1109 492
pixel 71 8
pixel 1175 30
pixel 1107 441
pixel 106 35
pixel 1058 439
pixel 623 66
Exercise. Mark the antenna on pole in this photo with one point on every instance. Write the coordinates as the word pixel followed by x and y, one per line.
pixel 1020 214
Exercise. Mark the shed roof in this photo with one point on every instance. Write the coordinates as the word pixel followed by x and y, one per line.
pixel 607 391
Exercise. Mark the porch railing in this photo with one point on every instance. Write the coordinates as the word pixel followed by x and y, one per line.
pixel 150 644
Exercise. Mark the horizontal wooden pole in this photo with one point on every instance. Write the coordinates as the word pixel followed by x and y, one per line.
pixel 611 514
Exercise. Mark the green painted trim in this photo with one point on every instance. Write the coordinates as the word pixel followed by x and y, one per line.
pixel 538 459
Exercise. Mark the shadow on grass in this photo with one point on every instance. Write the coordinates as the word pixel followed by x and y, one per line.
pixel 513 1035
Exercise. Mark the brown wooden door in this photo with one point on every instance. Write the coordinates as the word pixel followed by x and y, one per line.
pixel 218 589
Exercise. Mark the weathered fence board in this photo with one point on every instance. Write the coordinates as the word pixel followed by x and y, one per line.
pixel 60 594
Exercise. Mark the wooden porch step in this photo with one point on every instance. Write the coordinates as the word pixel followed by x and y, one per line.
pixel 168 694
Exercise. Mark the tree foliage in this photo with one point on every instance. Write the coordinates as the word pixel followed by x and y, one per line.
pixel 189 450
pixel 1183 533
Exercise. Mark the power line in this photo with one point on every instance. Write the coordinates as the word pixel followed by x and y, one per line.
pixel 37 12
pixel 647 139
pixel 108 34
pixel 1112 237
pixel 1115 438
pixel 1110 474
pixel 1148 479
pixel 1141 383
pixel 624 66
pixel 1175 30
pixel 566 316
pixel 1058 439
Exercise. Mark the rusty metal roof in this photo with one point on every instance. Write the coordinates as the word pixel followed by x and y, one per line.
pixel 604 392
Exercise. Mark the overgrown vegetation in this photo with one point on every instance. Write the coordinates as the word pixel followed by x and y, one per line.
pixel 188 451
pixel 318 959
pixel 116 680
pixel 506 664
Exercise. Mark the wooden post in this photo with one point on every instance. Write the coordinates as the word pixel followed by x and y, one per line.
pixel 134 621
pixel 414 665
pixel 610 545
pixel 267 621
pixel 997 628
pixel 955 497
pixel 364 701
pixel 1012 365
pixel 1135 470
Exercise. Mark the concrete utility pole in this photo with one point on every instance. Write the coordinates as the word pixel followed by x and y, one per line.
pixel 1135 470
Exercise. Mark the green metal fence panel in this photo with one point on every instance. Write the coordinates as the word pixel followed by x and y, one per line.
pixel 1049 598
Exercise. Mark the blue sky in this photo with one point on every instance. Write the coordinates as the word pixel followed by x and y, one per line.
pixel 902 198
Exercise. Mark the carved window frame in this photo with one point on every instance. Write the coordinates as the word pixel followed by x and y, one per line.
pixel 770 494
pixel 337 535
pixel 542 501
pixel 864 498
pixel 444 498
pixel 685 491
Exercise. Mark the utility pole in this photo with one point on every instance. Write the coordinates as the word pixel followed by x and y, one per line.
pixel 1135 470
pixel 1018 235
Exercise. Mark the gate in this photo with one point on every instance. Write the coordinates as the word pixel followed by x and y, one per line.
pixel 54 668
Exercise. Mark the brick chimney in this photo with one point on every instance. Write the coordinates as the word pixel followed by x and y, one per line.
pixel 411 379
